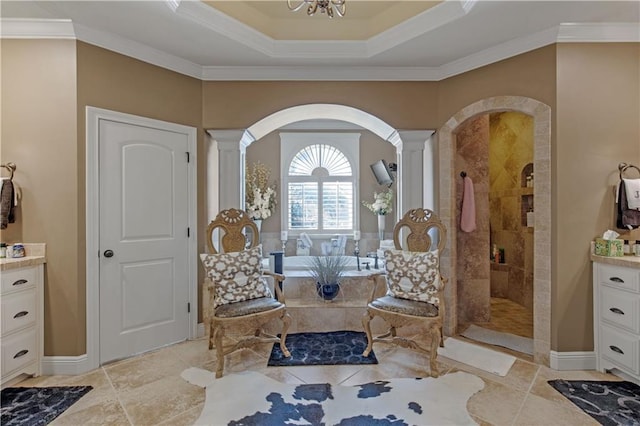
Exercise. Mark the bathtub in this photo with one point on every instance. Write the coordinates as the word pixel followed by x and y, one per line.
pixel 298 266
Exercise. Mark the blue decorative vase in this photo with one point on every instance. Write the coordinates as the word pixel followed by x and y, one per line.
pixel 328 291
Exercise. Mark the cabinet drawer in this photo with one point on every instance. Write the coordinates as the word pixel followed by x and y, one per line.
pixel 18 310
pixel 620 308
pixel 620 277
pixel 19 279
pixel 19 350
pixel 620 348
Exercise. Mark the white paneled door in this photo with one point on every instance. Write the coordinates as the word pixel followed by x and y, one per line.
pixel 143 238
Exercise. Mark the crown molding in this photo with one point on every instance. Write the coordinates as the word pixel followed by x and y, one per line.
pixel 411 28
pixel 138 51
pixel 598 33
pixel 216 21
pixel 565 33
pixel 498 53
pixel 321 73
pixel 37 28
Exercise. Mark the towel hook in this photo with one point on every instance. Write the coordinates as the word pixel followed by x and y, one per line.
pixel 11 167
pixel 463 174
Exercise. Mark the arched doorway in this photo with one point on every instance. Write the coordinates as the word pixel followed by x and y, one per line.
pixel 446 142
pixel 410 145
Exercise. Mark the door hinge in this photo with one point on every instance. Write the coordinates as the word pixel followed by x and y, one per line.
pixel 188 232
pixel 189 307
pixel 188 156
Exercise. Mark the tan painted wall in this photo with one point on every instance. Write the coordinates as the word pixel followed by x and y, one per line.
pixel 119 83
pixel 598 126
pixel 592 138
pixel 39 134
pixel 532 74
pixel 237 105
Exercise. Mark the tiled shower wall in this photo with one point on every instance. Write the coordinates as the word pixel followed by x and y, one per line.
pixel 511 150
pixel 493 149
pixel 472 157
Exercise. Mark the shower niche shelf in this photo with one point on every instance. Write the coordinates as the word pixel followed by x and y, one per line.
pixel 526 196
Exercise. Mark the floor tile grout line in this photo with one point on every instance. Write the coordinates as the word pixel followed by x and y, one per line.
pixel 124 410
pixel 526 396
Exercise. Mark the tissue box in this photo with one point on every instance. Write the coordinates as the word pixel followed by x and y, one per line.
pixel 608 247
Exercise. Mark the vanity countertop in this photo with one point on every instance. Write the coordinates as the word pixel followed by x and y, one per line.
pixel 35 255
pixel 628 261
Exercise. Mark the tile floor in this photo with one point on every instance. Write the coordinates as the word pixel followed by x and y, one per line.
pixel 148 389
pixel 509 317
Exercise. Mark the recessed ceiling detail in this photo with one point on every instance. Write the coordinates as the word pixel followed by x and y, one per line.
pixel 364 20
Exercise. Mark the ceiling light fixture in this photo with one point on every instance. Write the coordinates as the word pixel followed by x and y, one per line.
pixel 325 6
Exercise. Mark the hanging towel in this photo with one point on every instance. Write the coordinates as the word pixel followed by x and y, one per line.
pixel 632 187
pixel 468 215
pixel 6 203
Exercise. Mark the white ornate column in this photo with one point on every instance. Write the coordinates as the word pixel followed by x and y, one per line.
pixel 230 167
pixel 411 169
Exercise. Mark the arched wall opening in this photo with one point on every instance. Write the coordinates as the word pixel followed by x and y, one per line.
pixel 446 140
pixel 414 153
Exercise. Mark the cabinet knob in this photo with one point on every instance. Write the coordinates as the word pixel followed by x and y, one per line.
pixel 617 311
pixel 616 280
pixel 21 314
pixel 20 282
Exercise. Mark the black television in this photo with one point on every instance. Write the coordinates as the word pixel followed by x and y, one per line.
pixel 382 172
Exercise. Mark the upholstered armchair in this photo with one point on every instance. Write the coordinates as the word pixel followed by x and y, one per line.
pixel 239 296
pixel 414 285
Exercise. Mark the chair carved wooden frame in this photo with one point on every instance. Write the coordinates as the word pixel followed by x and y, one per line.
pixel 249 315
pixel 398 312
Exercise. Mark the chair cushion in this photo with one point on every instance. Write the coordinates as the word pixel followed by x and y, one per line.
pixel 248 307
pixel 236 276
pixel 413 275
pixel 405 306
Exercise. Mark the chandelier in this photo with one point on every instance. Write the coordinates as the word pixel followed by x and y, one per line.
pixel 325 6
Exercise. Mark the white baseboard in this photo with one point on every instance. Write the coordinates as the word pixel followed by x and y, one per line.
pixel 74 365
pixel 65 365
pixel 572 360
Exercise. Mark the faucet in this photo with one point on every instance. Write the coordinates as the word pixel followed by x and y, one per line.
pixel 374 255
pixel 356 252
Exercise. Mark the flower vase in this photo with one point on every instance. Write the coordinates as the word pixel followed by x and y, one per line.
pixel 328 291
pixel 381 223
pixel 258 223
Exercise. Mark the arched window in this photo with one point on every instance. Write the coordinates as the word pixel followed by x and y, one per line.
pixel 319 182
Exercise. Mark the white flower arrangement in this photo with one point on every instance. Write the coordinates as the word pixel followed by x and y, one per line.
pixel 260 197
pixel 382 204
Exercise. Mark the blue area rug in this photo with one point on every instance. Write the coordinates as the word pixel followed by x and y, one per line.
pixel 332 348
pixel 610 403
pixel 37 406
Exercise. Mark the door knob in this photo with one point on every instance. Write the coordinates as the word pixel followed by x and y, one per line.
pixel 108 253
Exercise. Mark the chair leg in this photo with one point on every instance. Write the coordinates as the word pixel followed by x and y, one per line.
pixel 211 333
pixel 218 335
pixel 366 320
pixel 435 340
pixel 286 322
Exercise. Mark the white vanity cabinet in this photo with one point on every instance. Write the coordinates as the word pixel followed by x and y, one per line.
pixel 616 294
pixel 22 322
